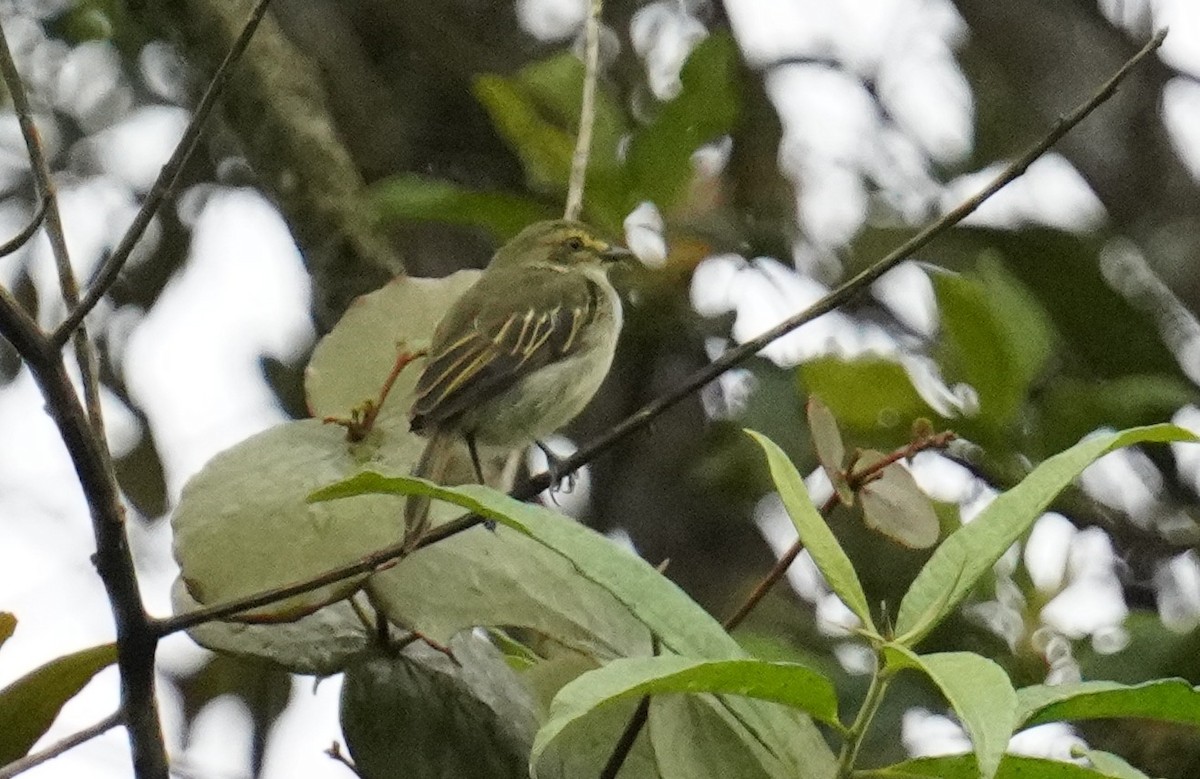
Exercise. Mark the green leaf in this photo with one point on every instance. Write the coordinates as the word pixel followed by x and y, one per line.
pixel 996 338
pixel 979 692
pixel 964 767
pixel 660 155
pixel 867 393
pixel 831 452
pixel 1112 765
pixel 556 85
pixel 694 736
pixel 894 505
pixel 545 149
pixel 420 715
pixel 969 553
pixel 29 705
pixel 319 644
pixel 351 363
pixel 243 526
pixel 8 624
pixel 680 624
pixel 826 552
pixel 409 196
pixel 505 578
pixel 1166 700
pixel 1071 408
pixel 786 683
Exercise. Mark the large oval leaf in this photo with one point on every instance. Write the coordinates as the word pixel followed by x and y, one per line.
pixel 418 714
pixel 351 363
pixel 320 644
pixel 243 526
pixel 679 623
pixel 506 578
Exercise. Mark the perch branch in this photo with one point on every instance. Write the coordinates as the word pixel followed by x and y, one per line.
pixel 700 378
pixel 163 186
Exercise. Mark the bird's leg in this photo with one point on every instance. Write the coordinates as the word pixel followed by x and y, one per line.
pixel 470 437
pixel 558 473
pixel 490 524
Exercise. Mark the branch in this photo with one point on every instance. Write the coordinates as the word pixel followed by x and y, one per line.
pixel 27 232
pixel 724 363
pixel 587 113
pixel 56 749
pixel 84 355
pixel 163 186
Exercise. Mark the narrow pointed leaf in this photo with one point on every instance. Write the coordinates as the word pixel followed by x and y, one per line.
pixel 29 705
pixel 826 552
pixel 979 692
pixel 963 767
pixel 1166 700
pixel 1112 765
pixel 8 623
pixel 786 683
pixel 970 552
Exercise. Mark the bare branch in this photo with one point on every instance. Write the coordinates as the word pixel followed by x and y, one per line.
pixel 56 749
pixel 84 355
pixel 587 113
pixel 28 231
pixel 163 186
pixel 700 378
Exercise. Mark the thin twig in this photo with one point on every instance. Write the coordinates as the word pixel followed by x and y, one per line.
pixel 47 192
pixel 335 752
pixel 163 186
pixel 700 378
pixel 28 231
pixel 56 749
pixel 82 433
pixel 628 738
pixel 587 113
pixel 774 575
pixel 866 713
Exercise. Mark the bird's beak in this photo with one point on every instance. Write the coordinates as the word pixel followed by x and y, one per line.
pixel 616 254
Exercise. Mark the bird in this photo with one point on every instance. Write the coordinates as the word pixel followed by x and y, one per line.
pixel 520 354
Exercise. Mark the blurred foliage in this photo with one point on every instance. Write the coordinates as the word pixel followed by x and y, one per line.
pixel 1048 338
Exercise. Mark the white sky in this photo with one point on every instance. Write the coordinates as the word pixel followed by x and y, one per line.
pixel 191 363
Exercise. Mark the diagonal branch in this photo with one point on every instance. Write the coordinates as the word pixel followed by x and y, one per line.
pixel 163 186
pixel 28 231
pixel 47 193
pixel 54 750
pixel 727 361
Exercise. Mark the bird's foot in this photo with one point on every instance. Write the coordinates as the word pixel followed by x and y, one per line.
pixel 562 479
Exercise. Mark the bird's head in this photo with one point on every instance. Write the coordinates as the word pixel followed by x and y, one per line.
pixel 561 243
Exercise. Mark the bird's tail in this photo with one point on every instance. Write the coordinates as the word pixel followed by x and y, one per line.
pixel 434 463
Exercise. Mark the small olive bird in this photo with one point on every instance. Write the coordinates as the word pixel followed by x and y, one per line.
pixel 520 353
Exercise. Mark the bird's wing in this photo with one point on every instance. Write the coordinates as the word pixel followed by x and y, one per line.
pixel 474 358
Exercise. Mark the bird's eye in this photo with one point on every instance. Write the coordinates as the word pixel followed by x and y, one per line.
pixel 575 244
